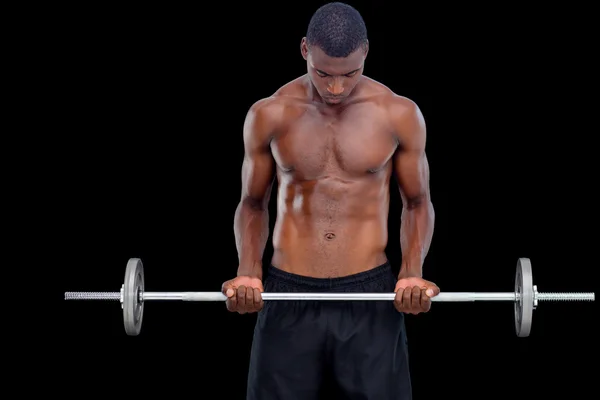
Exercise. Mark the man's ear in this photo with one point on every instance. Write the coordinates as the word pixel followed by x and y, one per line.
pixel 304 48
pixel 366 48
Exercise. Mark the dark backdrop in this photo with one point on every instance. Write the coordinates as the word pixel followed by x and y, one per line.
pixel 155 98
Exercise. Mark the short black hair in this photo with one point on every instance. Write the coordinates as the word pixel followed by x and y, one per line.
pixel 337 28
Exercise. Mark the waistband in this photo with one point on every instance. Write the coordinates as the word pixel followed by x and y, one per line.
pixel 382 271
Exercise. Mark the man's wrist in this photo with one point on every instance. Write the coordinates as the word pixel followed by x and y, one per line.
pixel 252 269
pixel 410 270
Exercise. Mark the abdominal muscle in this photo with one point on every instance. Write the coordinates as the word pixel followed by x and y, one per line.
pixel 330 228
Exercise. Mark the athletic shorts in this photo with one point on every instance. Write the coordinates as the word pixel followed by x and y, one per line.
pixel 329 349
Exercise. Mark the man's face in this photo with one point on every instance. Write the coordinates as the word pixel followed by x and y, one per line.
pixel 333 78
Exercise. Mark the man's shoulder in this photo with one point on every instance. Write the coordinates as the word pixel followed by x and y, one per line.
pixel 390 98
pixel 397 106
pixel 384 96
pixel 266 116
pixel 266 107
pixel 402 112
pixel 407 120
pixel 273 107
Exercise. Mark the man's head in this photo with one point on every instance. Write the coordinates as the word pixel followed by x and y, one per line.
pixel 335 48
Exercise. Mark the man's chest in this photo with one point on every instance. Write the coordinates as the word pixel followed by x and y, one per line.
pixel 354 142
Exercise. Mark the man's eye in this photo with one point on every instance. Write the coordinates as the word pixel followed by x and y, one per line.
pixel 321 74
pixel 351 74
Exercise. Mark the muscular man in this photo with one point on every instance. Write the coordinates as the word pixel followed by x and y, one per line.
pixel 333 138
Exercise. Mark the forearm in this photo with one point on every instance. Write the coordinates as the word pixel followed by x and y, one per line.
pixel 416 232
pixel 251 228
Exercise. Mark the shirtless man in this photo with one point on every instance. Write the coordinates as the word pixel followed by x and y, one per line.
pixel 332 138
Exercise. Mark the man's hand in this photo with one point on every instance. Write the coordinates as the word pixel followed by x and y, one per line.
pixel 413 295
pixel 243 294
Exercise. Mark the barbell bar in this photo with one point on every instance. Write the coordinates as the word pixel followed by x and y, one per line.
pixel 132 296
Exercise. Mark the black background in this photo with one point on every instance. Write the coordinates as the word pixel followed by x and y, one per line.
pixel 153 102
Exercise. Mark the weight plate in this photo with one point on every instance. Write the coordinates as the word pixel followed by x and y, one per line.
pixel 133 287
pixel 524 300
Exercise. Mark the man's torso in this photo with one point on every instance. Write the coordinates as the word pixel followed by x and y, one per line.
pixel 334 166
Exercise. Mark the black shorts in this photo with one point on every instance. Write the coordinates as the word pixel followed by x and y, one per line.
pixel 329 349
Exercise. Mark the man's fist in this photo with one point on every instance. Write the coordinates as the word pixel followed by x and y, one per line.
pixel 243 294
pixel 413 295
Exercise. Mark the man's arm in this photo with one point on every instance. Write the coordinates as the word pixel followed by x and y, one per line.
pixel 251 222
pixel 412 172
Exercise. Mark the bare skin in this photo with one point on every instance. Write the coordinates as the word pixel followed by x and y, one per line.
pixel 333 139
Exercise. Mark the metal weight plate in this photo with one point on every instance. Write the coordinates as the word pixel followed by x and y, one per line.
pixel 524 300
pixel 133 306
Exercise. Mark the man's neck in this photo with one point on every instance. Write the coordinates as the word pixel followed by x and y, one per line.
pixel 312 95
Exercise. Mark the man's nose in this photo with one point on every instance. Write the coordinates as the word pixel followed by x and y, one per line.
pixel 335 88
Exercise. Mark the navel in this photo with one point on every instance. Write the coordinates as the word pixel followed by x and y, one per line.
pixel 329 236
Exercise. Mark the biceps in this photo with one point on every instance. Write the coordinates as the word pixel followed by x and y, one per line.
pixel 257 176
pixel 412 171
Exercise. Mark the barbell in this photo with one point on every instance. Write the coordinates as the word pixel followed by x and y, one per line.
pixel 132 296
